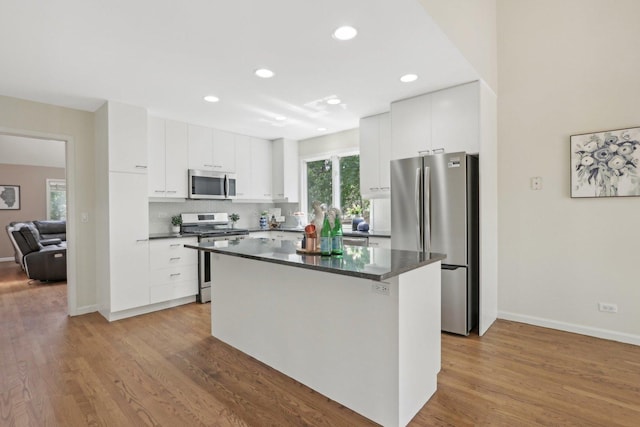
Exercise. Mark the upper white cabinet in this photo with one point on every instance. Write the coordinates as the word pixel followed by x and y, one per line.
pixel 285 170
pixel 211 149
pixel 447 120
pixel 127 134
pixel 200 147
pixel 224 151
pixel 455 118
pixel 261 169
pixel 375 154
pixel 243 167
pixel 411 126
pixel 168 161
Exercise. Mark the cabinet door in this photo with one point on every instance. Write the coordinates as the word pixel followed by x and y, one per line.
pixel 380 242
pixel 384 153
pixel 369 156
pixel 127 138
pixel 176 145
pixel 285 170
pixel 200 147
pixel 128 240
pixel 261 169
pixel 455 118
pixel 157 158
pixel 243 166
pixel 410 126
pixel 224 151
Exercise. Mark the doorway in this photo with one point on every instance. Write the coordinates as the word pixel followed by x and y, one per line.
pixel 30 160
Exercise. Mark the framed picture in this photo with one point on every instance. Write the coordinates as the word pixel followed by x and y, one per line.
pixel 606 164
pixel 10 197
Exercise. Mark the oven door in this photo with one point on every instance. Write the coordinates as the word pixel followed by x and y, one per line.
pixel 205 273
pixel 207 185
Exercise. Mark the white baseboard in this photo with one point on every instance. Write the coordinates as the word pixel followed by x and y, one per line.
pixel 85 310
pixel 572 327
pixel 118 315
pixel 7 259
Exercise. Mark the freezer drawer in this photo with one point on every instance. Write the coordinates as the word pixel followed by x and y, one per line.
pixel 455 304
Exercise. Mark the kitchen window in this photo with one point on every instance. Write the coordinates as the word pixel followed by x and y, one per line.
pixel 332 179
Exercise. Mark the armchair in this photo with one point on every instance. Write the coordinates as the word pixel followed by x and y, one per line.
pixel 40 249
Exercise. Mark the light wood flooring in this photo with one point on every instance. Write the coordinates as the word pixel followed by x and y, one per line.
pixel 165 369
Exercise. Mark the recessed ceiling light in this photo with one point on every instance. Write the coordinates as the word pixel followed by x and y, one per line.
pixel 264 73
pixel 211 98
pixel 333 101
pixel 280 118
pixel 345 33
pixel 408 78
pixel 322 129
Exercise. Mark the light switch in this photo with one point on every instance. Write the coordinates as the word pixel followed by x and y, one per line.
pixel 84 217
pixel 536 183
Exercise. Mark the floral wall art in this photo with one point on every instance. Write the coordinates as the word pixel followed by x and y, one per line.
pixel 606 164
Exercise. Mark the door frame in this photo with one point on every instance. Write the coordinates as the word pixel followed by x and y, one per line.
pixel 70 174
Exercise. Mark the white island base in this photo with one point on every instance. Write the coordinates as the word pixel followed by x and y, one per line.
pixel 375 352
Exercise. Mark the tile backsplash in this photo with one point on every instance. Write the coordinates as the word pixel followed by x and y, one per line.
pixel 160 213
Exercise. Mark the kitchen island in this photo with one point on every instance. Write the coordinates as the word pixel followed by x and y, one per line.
pixel 363 329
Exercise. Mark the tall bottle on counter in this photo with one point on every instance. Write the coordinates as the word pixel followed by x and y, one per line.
pixel 336 235
pixel 325 237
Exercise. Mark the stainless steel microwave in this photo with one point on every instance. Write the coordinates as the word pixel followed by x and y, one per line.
pixel 211 185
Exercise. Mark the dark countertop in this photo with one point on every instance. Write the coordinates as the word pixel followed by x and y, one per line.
pixel 345 232
pixel 168 235
pixel 358 261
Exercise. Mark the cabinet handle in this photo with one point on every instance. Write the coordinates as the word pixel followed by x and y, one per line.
pixel 172 191
pixel 239 194
pixel 174 258
pixel 266 194
pixel 374 244
pixel 217 166
pixel 424 151
pixel 158 191
pixel 208 166
pixel 280 194
pixel 174 274
pixel 174 244
pixel 142 240
pixel 438 150
pixel 374 188
pixel 140 167
pixel 385 188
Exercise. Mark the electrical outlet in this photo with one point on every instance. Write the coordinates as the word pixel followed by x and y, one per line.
pixel 84 217
pixel 380 288
pixel 608 307
pixel 163 215
pixel 536 183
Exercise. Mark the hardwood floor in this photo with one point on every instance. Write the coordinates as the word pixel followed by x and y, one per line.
pixel 165 369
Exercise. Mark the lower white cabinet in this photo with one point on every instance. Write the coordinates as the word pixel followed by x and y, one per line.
pixel 173 269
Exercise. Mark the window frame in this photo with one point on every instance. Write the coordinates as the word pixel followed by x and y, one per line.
pixel 49 182
pixel 334 156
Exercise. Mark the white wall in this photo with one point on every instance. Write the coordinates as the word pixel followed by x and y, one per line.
pixel 566 67
pixel 471 26
pixel 339 141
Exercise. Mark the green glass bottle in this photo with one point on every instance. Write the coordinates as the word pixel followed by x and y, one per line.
pixel 336 239
pixel 325 237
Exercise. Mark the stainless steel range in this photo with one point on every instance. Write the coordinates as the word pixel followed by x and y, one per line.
pixel 208 227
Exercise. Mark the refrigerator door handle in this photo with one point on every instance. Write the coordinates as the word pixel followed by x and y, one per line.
pixel 427 209
pixel 418 211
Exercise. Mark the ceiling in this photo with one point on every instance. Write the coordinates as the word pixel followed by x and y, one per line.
pixel 166 56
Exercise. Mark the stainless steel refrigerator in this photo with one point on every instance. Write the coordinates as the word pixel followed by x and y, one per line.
pixel 434 208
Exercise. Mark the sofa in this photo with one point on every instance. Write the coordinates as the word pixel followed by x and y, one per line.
pixel 40 248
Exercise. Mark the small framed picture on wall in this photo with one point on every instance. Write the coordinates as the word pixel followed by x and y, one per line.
pixel 9 197
pixel 606 164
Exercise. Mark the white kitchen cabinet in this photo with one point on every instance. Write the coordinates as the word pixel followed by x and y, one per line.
pixel 173 269
pixel 128 238
pixel 224 151
pixel 168 158
pixel 200 147
pixel 446 120
pixel 243 167
pixel 455 118
pixel 380 242
pixel 211 149
pixel 127 134
pixel 285 170
pixel 375 155
pixel 261 178
pixel 411 126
